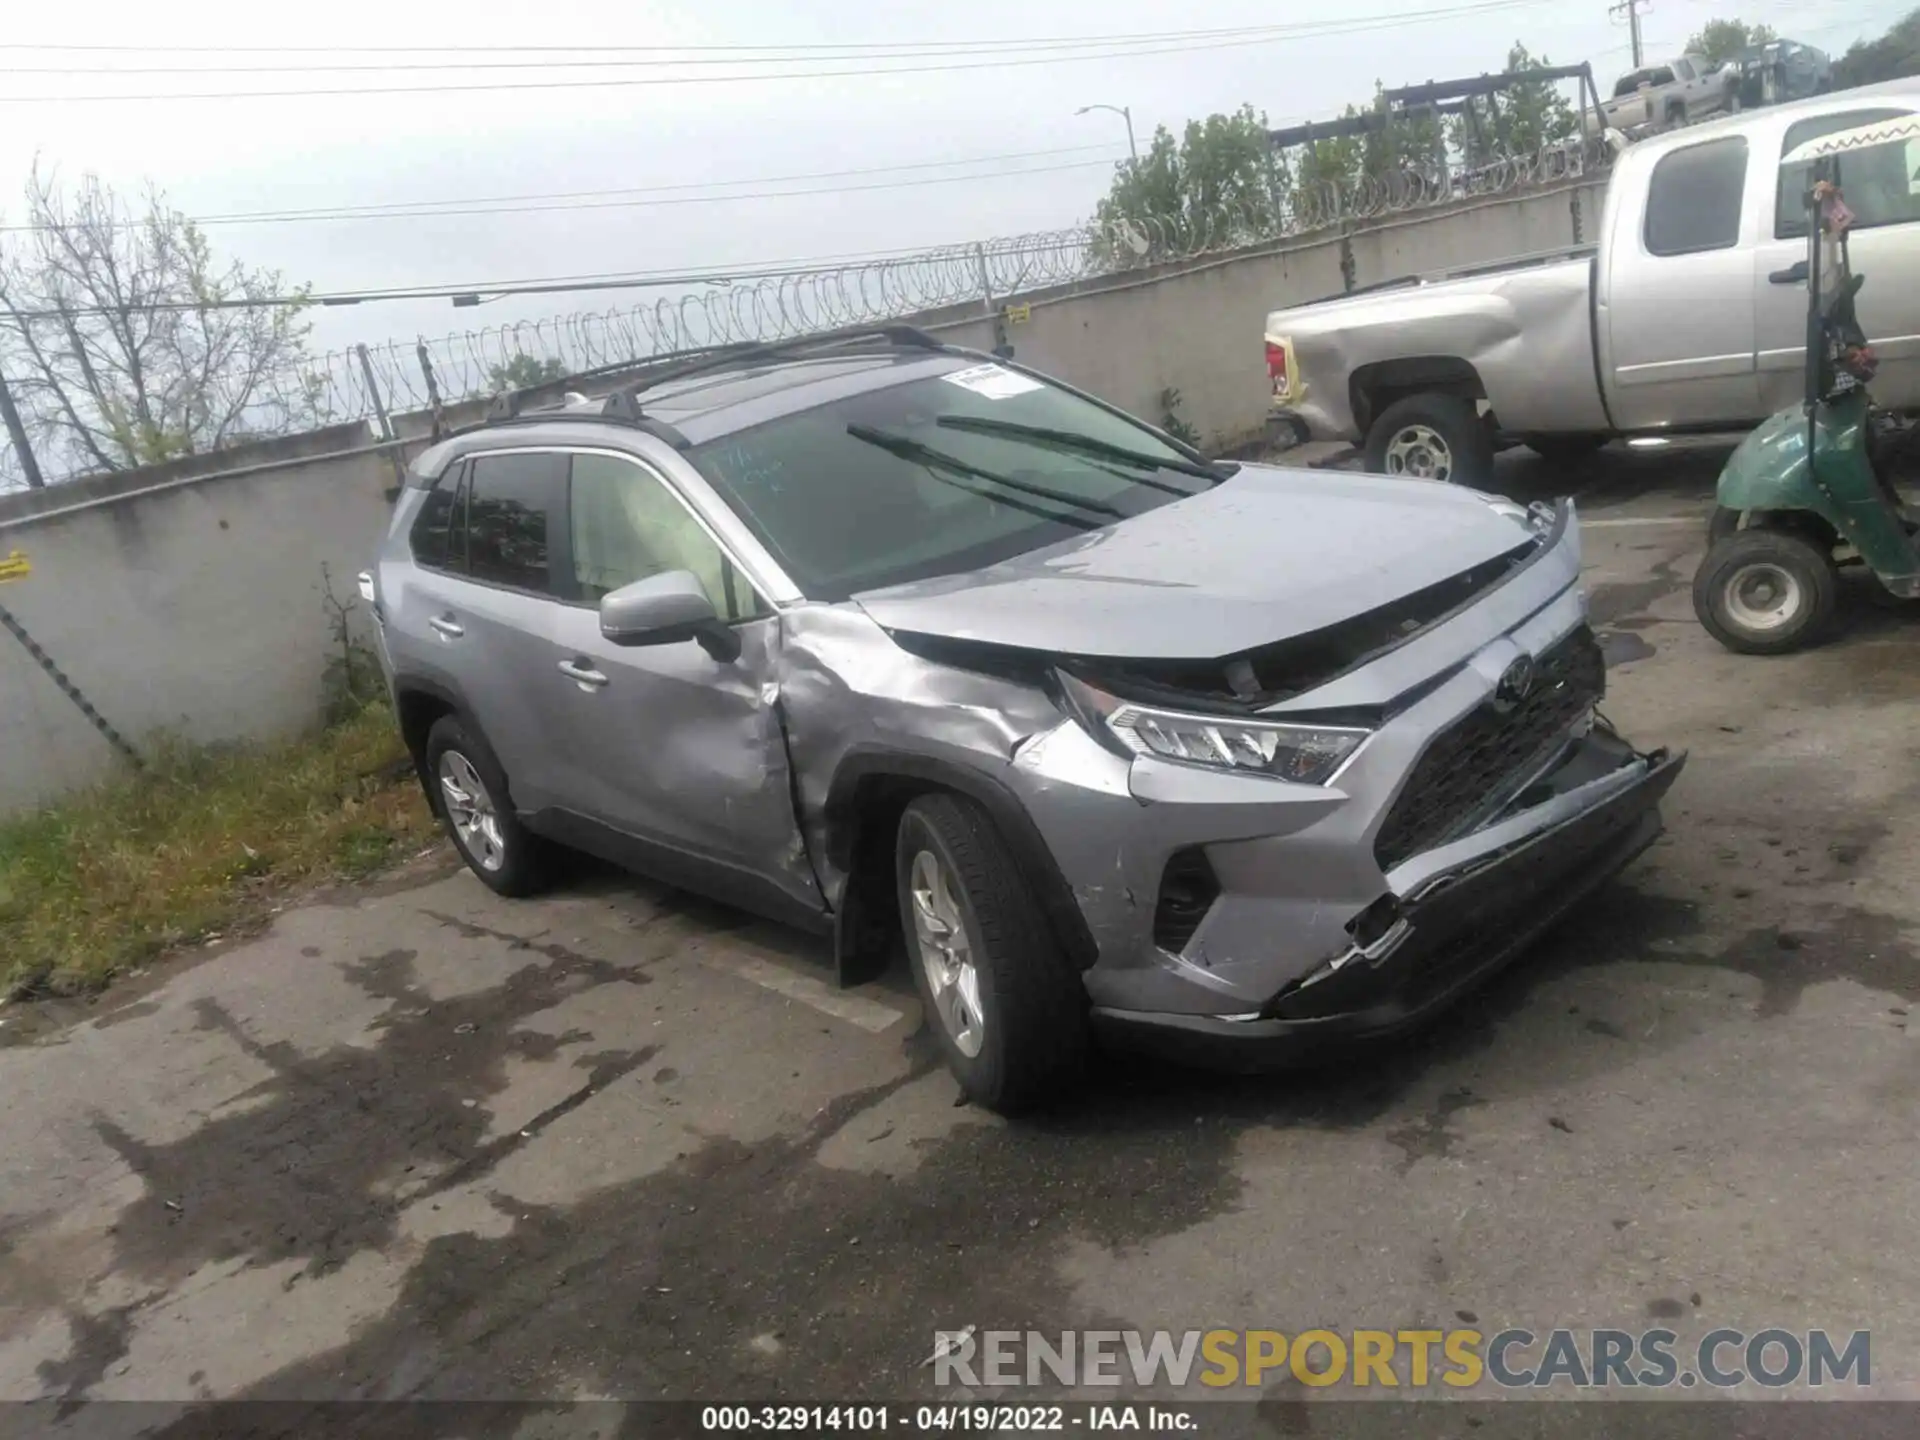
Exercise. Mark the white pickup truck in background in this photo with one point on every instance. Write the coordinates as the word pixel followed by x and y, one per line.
pixel 1689 315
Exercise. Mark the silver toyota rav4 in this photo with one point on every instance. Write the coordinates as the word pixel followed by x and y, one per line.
pixel 916 647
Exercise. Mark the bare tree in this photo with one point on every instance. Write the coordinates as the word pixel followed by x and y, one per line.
pixel 121 339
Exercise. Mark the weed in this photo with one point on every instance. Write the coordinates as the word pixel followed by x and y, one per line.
pixel 201 840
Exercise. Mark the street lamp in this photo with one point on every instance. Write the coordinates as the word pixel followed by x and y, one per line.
pixel 1125 114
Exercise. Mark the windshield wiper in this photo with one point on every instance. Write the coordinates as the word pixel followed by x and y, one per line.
pixel 908 448
pixel 1090 445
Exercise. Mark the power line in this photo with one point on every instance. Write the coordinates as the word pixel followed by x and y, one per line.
pixel 650 196
pixel 999 62
pixel 600 59
pixel 818 48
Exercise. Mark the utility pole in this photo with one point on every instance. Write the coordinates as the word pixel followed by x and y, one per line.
pixel 1633 10
pixel 1125 112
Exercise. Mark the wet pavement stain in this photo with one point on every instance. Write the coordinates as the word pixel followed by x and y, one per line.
pixel 1431 1136
pixel 317 1162
pixel 1623 647
pixel 1612 602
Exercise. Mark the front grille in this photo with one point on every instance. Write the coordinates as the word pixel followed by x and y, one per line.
pixel 1469 762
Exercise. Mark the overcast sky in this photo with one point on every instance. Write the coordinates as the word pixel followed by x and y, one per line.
pixel 223 156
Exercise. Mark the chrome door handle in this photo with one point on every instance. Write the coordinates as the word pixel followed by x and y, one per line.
pixel 582 674
pixel 448 626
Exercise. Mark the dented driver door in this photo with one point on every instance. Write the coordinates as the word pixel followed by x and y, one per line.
pixel 673 759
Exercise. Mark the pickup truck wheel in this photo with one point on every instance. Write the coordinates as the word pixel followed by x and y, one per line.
pixel 1765 592
pixel 1431 437
pixel 1001 997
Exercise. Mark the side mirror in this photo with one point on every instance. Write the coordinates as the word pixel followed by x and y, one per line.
pixel 665 610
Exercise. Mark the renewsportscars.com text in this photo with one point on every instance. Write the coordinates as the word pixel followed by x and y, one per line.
pixel 1387 1359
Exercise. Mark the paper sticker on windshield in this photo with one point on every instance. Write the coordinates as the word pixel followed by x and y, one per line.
pixel 992 381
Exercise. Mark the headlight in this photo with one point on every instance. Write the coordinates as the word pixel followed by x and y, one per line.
pixel 1305 754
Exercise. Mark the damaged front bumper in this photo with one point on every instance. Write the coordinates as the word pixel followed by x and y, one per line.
pixel 1444 931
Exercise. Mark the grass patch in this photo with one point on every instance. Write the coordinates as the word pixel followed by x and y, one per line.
pixel 200 841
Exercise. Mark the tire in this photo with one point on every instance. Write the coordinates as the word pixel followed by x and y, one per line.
pixel 508 858
pixel 1796 591
pixel 1030 1044
pixel 1563 449
pixel 1725 523
pixel 1431 437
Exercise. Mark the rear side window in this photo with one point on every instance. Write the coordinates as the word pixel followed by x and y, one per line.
pixel 1693 198
pixel 510 500
pixel 1882 185
pixel 437 519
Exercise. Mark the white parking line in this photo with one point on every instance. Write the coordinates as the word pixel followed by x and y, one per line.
pixel 1586 524
pixel 869 1015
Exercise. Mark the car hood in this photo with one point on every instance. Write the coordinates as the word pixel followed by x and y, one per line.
pixel 1269 555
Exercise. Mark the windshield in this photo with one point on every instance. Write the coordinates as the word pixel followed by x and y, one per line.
pixel 876 490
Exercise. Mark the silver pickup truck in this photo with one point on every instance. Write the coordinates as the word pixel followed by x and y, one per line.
pixel 1688 316
pixel 1690 88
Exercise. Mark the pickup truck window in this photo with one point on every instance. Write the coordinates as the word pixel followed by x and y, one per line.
pixel 1693 199
pixel 1683 70
pixel 1879 183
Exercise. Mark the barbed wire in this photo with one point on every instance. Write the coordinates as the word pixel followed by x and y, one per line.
pixel 341 386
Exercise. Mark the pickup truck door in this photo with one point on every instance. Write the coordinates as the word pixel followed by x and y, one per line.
pixel 1678 299
pixel 1882 187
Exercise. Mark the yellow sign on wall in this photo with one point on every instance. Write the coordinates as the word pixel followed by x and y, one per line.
pixel 15 567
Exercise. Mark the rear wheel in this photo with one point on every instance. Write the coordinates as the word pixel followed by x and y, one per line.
pixel 1004 1002
pixel 1431 437
pixel 1765 592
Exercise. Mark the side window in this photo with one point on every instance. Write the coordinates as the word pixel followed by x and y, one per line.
pixel 627 526
pixel 509 498
pixel 1881 184
pixel 1683 70
pixel 1693 198
pixel 431 527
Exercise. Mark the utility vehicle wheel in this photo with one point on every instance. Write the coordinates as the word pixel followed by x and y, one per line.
pixel 1765 592
pixel 1725 522
pixel 1007 1006
pixel 470 794
pixel 1431 437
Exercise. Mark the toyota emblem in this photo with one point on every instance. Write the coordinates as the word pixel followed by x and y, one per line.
pixel 1516 683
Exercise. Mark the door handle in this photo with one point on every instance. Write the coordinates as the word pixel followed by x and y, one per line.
pixel 583 674
pixel 1794 274
pixel 448 626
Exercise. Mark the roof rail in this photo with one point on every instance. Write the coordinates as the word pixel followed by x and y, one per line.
pixel 622 406
pixel 906 336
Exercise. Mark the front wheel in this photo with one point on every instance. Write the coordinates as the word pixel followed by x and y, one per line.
pixel 1431 437
pixel 1004 1002
pixel 1765 592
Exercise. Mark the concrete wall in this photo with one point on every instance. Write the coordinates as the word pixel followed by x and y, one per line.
pixel 187 598
pixel 191 606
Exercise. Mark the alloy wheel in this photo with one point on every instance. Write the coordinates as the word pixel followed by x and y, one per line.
pixel 471 811
pixel 946 954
